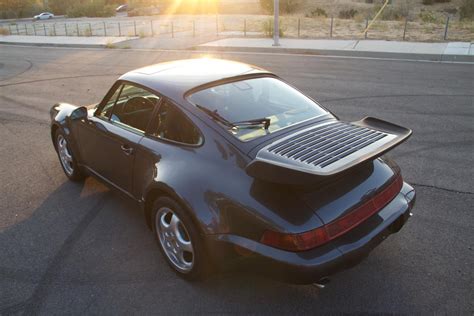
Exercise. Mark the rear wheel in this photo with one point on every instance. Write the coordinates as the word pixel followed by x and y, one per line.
pixel 179 240
pixel 68 162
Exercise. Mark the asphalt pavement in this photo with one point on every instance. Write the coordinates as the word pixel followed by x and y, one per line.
pixel 70 248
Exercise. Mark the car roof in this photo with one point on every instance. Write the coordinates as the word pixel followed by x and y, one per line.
pixel 174 79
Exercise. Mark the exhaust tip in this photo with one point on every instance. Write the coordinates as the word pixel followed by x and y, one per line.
pixel 321 284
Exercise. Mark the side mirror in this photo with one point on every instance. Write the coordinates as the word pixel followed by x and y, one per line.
pixel 79 114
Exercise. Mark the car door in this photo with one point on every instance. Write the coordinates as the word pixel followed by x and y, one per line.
pixel 109 140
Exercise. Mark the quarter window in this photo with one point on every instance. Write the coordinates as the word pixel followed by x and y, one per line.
pixel 173 125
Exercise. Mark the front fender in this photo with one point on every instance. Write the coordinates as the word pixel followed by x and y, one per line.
pixel 59 114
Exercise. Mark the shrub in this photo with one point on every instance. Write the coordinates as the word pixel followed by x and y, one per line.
pixel 347 14
pixel 466 11
pixel 286 6
pixel 267 28
pixel 143 11
pixel 316 13
pixel 430 2
pixel 428 17
pixel 91 9
pixel 4 31
pixel 8 14
pixel 391 13
pixel 87 32
pixel 110 45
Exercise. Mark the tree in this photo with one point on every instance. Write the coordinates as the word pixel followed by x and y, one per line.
pixel 467 10
pixel 61 6
pixel 20 8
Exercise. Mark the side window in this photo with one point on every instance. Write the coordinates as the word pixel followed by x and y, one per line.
pixel 174 125
pixel 134 107
pixel 107 109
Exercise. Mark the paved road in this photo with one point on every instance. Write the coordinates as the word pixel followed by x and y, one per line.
pixel 72 248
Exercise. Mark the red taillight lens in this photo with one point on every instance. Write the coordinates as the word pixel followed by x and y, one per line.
pixel 296 242
pixel 319 236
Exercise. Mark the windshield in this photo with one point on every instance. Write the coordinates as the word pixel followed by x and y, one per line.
pixel 244 102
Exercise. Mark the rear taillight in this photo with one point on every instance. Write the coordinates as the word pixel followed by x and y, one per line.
pixel 296 242
pixel 319 236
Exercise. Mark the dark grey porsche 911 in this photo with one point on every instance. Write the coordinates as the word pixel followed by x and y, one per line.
pixel 232 166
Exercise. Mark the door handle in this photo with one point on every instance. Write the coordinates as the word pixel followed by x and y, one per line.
pixel 127 149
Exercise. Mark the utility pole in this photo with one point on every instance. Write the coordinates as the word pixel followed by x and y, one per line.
pixel 276 28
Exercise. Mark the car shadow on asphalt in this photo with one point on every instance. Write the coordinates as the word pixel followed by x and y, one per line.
pixel 85 236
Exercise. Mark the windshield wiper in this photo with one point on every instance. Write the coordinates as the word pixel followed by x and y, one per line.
pixel 242 124
pixel 255 122
pixel 215 115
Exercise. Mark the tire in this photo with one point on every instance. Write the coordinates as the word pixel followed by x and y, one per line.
pixel 66 157
pixel 185 237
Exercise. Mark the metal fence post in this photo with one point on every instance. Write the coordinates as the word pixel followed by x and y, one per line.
pixel 44 28
pixel 54 29
pixel 120 30
pixel 332 22
pixel 135 26
pixel 77 28
pixel 26 29
pixel 17 30
pixel 366 25
pixel 34 28
pixel 172 29
pixel 299 26
pixel 245 27
pixel 65 28
pixel 194 28
pixel 105 29
pixel 90 30
pixel 446 29
pixel 405 28
pixel 10 28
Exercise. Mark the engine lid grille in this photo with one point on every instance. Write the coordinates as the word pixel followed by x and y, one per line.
pixel 324 148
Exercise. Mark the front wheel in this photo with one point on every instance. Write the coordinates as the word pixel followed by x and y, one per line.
pixel 68 162
pixel 179 240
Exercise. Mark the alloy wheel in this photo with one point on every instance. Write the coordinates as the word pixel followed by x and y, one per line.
pixel 65 155
pixel 174 239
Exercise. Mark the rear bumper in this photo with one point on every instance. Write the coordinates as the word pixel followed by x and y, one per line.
pixel 312 265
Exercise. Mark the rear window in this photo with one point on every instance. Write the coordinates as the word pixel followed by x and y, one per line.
pixel 267 98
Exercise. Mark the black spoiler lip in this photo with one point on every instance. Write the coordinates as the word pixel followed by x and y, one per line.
pixel 281 169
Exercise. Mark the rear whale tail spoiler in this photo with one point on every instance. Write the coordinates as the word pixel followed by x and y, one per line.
pixel 325 150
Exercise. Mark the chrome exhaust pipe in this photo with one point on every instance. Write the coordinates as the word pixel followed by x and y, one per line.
pixel 321 284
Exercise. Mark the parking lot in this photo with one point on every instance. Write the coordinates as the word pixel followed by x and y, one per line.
pixel 69 248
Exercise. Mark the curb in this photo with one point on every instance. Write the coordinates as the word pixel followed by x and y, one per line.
pixel 56 45
pixel 342 53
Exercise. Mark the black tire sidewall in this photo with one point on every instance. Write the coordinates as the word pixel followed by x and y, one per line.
pixel 200 267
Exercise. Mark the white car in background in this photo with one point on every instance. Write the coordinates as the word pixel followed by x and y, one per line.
pixel 43 16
